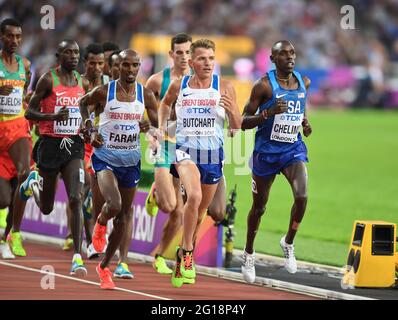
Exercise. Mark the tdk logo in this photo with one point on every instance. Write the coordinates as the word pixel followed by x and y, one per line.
pixel 74 110
pixel 126 127
pixel 198 110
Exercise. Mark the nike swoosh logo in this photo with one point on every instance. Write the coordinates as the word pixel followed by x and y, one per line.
pixel 216 179
pixel 114 108
pixel 186 94
pixel 60 93
pixel 280 95
pixel 136 181
pixel 296 155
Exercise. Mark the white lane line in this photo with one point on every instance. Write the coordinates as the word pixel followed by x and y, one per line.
pixel 79 280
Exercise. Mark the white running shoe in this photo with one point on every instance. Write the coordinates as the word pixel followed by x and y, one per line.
pixel 290 259
pixel 91 252
pixel 248 269
pixel 5 250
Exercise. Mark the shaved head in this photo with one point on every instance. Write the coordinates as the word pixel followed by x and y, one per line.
pixel 127 53
pixel 64 43
pixel 279 44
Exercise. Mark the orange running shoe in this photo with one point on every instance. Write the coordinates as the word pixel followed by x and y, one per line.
pixel 105 276
pixel 99 239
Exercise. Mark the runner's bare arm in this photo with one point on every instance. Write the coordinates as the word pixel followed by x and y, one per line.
pixel 260 94
pixel 167 102
pixel 307 129
pixel 154 84
pixel 151 106
pixel 43 90
pixel 95 97
pixel 228 102
pixel 27 65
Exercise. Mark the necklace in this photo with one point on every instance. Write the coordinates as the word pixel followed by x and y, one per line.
pixel 286 80
pixel 124 90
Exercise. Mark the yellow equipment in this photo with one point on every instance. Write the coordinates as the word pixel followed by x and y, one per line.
pixel 371 257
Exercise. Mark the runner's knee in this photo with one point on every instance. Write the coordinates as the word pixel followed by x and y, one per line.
pixel 167 205
pixel 258 210
pixel 75 202
pixel 217 213
pixel 114 207
pixel 194 199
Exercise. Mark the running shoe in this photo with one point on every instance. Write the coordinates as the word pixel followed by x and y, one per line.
pixel 177 279
pixel 105 276
pixel 189 281
pixel 188 265
pixel 160 265
pixel 68 244
pixel 91 252
pixel 99 237
pixel 3 218
pixel 290 259
pixel 15 242
pixel 247 268
pixel 122 271
pixel 78 269
pixel 5 250
pixel 150 202
pixel 26 191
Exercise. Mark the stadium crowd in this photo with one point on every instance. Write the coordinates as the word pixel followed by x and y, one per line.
pixel 360 64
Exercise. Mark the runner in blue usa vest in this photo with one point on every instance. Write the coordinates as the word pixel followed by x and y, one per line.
pixel 277 108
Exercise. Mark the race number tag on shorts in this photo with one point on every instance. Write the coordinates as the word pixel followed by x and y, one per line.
pixel 71 125
pixel 286 127
pixel 181 155
pixel 12 104
pixel 81 175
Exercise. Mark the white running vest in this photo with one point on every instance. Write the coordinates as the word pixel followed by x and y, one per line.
pixel 119 127
pixel 200 119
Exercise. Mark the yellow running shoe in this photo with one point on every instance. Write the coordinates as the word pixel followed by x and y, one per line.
pixel 68 244
pixel 150 202
pixel 3 218
pixel 188 265
pixel 160 265
pixel 15 242
pixel 177 280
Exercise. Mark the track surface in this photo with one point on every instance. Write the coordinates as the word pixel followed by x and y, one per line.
pixel 21 279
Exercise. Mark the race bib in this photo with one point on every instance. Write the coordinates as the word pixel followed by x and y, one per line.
pixel 13 103
pixel 124 137
pixel 71 125
pixel 199 122
pixel 286 127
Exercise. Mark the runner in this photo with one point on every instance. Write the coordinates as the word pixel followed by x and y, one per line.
pixel 60 149
pixel 202 102
pixel 14 129
pixel 120 106
pixel 165 191
pixel 277 108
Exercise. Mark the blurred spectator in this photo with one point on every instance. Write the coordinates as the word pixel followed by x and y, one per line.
pixel 313 26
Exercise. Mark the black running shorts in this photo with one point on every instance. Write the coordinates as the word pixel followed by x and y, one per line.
pixel 52 154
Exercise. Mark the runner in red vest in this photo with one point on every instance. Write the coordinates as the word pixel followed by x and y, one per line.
pixel 60 149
